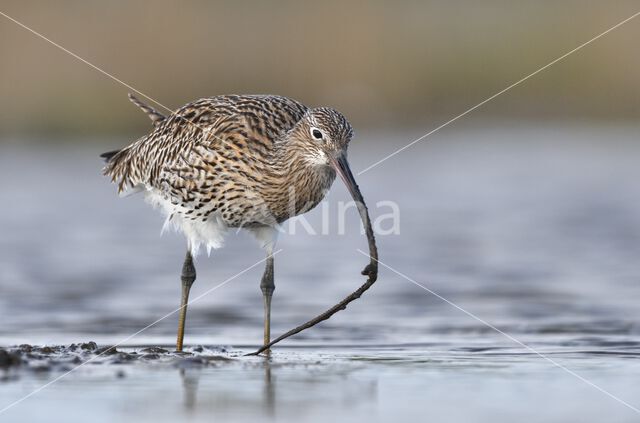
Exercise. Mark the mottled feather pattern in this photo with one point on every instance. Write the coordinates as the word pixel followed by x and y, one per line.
pixel 230 161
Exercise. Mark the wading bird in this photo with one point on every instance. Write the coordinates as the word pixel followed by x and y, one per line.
pixel 238 161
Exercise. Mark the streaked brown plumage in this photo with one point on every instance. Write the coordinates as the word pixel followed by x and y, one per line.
pixel 249 161
pixel 246 158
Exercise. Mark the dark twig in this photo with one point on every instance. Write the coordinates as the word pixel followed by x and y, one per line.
pixel 324 316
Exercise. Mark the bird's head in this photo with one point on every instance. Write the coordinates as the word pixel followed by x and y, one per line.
pixel 320 140
pixel 322 136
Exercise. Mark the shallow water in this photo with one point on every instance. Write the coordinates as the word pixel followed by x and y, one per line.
pixel 534 230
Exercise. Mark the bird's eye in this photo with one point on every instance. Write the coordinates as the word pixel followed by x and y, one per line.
pixel 316 133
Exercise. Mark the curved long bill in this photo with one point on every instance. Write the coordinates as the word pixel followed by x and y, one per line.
pixel 341 166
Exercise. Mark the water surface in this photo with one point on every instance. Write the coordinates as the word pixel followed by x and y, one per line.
pixel 533 229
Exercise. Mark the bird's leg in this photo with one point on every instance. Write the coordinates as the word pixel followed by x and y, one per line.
pixel 188 277
pixel 267 286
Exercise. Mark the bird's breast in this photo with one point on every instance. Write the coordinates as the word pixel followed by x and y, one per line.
pixel 302 190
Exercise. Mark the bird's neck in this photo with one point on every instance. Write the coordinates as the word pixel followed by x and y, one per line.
pixel 301 185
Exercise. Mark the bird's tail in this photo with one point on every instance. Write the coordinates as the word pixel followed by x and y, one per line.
pixel 109 155
pixel 124 166
pixel 118 168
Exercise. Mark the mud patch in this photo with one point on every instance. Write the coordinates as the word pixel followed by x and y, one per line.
pixel 63 358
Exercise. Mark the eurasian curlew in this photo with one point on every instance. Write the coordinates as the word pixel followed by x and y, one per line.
pixel 238 161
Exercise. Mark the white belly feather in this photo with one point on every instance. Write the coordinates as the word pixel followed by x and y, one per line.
pixel 209 233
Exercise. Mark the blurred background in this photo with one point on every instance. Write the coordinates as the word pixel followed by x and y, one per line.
pixel 383 64
pixel 525 213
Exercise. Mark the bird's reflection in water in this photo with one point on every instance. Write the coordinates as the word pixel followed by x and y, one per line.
pixel 191 383
pixel 269 390
pixel 190 380
pixel 275 389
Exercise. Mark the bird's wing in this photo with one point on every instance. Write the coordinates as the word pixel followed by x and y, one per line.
pixel 258 119
pixel 194 141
